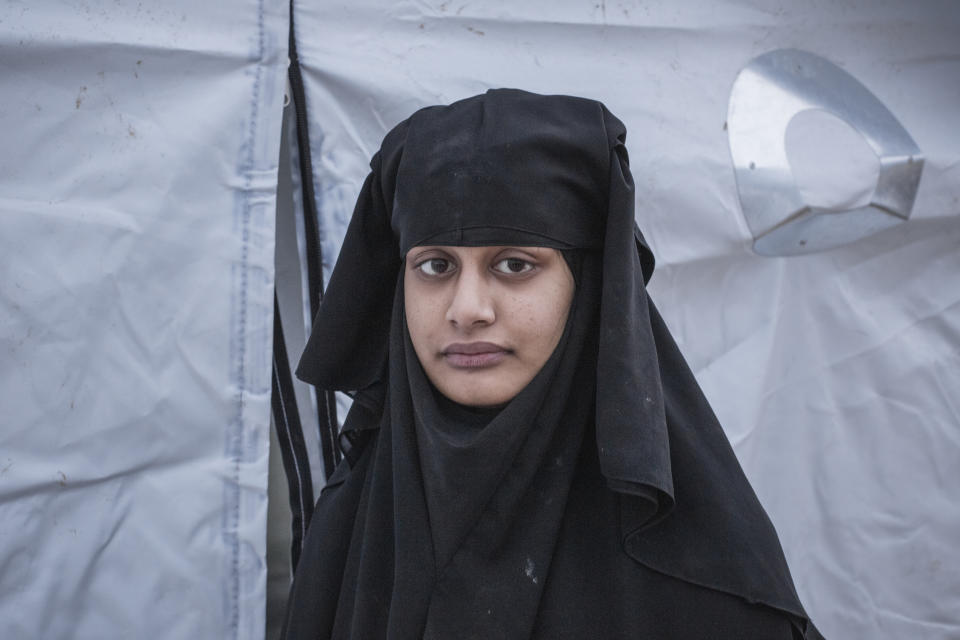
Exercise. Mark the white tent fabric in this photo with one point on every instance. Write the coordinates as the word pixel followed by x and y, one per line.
pixel 138 178
pixel 835 374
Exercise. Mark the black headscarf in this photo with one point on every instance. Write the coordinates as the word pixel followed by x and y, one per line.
pixel 603 500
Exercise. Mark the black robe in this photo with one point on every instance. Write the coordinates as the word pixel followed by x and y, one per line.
pixel 604 500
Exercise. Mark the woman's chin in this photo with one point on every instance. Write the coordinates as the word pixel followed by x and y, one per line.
pixel 474 391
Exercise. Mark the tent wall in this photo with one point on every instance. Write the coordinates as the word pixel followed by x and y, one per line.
pixel 138 176
pixel 833 373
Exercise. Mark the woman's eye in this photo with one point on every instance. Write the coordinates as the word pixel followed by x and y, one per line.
pixel 513 266
pixel 434 266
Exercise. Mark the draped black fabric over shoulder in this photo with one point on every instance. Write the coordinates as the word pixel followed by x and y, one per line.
pixel 604 500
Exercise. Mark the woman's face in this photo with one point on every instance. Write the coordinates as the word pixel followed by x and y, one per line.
pixel 484 320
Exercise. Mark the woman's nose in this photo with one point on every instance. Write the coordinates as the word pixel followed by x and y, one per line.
pixel 472 303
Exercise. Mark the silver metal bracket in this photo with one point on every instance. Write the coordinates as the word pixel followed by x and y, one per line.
pixel 767 94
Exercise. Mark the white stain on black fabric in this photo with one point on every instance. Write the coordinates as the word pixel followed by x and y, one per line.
pixel 528 568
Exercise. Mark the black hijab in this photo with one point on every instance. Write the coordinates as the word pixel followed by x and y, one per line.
pixel 602 501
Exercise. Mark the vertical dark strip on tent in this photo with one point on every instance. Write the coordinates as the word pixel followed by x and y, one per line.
pixel 326 402
pixel 293 450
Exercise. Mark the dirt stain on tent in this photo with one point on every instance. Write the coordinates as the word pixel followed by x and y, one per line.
pixel 81 96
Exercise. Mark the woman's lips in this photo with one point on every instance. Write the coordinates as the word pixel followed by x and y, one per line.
pixel 474 355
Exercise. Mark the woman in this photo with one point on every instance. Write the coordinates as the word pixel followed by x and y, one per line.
pixel 528 455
